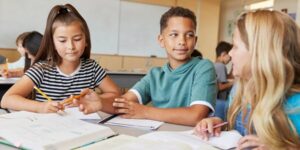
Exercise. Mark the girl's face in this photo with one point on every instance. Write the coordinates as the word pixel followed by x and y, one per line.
pixel 240 55
pixel 69 41
pixel 20 48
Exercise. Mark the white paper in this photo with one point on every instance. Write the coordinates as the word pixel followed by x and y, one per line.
pixel 135 123
pixel 125 142
pixel 75 113
pixel 49 131
pixel 226 140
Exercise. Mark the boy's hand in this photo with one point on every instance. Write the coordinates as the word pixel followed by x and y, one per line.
pixel 90 102
pixel 51 107
pixel 129 109
pixel 251 142
pixel 205 127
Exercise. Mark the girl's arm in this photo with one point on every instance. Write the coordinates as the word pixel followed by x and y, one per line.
pixel 15 98
pixel 109 91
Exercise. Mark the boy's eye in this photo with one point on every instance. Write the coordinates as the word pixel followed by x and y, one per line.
pixel 173 34
pixel 191 35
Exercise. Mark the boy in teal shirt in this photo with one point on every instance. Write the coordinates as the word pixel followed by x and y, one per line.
pixel 183 91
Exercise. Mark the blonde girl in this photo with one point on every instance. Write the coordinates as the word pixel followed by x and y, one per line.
pixel 265 103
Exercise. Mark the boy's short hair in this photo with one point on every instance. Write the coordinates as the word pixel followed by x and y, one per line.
pixel 223 47
pixel 176 12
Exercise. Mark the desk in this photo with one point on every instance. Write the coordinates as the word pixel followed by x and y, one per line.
pixel 129 131
pixel 138 132
pixel 125 79
pixel 5 84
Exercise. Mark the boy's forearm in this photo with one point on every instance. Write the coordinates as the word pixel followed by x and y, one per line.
pixel 189 116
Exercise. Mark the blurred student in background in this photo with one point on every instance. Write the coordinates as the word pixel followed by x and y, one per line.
pixel 28 45
pixel 224 83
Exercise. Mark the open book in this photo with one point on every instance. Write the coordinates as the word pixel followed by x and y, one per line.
pixel 49 131
pixel 75 113
pixel 168 140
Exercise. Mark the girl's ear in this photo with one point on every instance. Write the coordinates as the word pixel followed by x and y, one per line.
pixel 160 40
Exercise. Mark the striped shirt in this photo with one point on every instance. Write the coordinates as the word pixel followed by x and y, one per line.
pixel 59 86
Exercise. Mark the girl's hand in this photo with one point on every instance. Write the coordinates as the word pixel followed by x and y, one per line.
pixel 204 128
pixel 90 102
pixel 129 109
pixel 51 107
pixel 251 142
pixel 4 73
pixel 68 102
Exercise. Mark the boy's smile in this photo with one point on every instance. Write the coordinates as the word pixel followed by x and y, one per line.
pixel 179 40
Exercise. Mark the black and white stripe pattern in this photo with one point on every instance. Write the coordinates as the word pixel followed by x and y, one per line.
pixel 59 86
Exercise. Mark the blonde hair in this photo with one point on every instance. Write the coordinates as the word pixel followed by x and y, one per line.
pixel 273 40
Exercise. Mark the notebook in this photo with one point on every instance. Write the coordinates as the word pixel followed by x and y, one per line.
pixel 226 140
pixel 135 123
pixel 49 131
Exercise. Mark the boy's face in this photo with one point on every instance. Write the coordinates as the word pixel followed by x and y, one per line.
pixel 225 57
pixel 178 38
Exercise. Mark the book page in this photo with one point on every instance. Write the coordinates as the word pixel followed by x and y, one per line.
pixel 135 123
pixel 75 113
pixel 227 139
pixel 49 131
pixel 126 142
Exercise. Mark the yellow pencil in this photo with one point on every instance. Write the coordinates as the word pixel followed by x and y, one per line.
pixel 42 93
pixel 5 67
pixel 6 64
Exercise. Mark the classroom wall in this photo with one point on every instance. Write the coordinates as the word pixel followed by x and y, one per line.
pixel 293 7
pixel 208 16
pixel 11 54
pixel 110 62
pixel 207 12
pixel 230 10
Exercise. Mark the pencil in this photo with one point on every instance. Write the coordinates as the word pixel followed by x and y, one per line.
pixel 216 126
pixel 6 64
pixel 108 118
pixel 5 67
pixel 42 93
pixel 69 100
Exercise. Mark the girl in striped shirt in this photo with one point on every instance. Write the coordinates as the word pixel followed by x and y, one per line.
pixel 62 67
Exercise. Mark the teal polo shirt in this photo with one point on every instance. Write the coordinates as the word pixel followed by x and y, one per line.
pixel 192 83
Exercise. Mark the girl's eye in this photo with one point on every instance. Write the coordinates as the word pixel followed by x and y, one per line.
pixel 62 41
pixel 78 39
